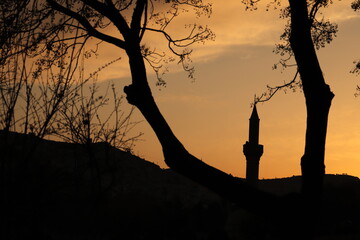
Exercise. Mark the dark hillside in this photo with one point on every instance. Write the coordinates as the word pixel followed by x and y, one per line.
pixel 55 190
pixel 341 198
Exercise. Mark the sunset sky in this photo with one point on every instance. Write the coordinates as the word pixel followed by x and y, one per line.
pixel 210 115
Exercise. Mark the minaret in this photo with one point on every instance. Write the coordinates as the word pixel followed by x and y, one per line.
pixel 253 150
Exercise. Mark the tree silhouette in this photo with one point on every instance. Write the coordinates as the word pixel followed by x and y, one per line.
pixel 132 19
pixel 356 6
pixel 318 100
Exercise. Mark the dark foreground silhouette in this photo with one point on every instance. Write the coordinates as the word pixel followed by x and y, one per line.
pixel 54 190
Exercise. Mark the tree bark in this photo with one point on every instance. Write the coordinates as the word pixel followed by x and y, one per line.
pixel 318 97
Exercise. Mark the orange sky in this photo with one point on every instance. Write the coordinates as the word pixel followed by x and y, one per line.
pixel 210 116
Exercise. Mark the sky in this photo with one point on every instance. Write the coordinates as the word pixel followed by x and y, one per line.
pixel 210 115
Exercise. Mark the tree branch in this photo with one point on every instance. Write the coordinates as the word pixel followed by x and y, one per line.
pixel 136 17
pixel 109 10
pixel 190 39
pixel 85 23
pixel 273 90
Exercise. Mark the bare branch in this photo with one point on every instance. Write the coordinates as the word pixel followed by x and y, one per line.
pixel 84 22
pixel 204 34
pixel 271 91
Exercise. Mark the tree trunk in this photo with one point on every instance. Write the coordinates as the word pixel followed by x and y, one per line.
pixel 178 158
pixel 318 99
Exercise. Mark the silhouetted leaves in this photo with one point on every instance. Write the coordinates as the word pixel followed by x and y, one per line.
pixel 355 5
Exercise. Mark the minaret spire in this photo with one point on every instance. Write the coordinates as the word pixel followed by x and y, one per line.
pixel 252 149
pixel 254 126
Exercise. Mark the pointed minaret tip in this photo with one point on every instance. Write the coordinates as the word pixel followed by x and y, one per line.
pixel 254 127
pixel 254 114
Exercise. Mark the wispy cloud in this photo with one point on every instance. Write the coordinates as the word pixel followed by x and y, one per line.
pixel 232 26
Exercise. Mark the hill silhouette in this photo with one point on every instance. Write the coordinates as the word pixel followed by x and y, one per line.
pixel 56 190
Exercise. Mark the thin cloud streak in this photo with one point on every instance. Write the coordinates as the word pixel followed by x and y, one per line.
pixel 233 27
